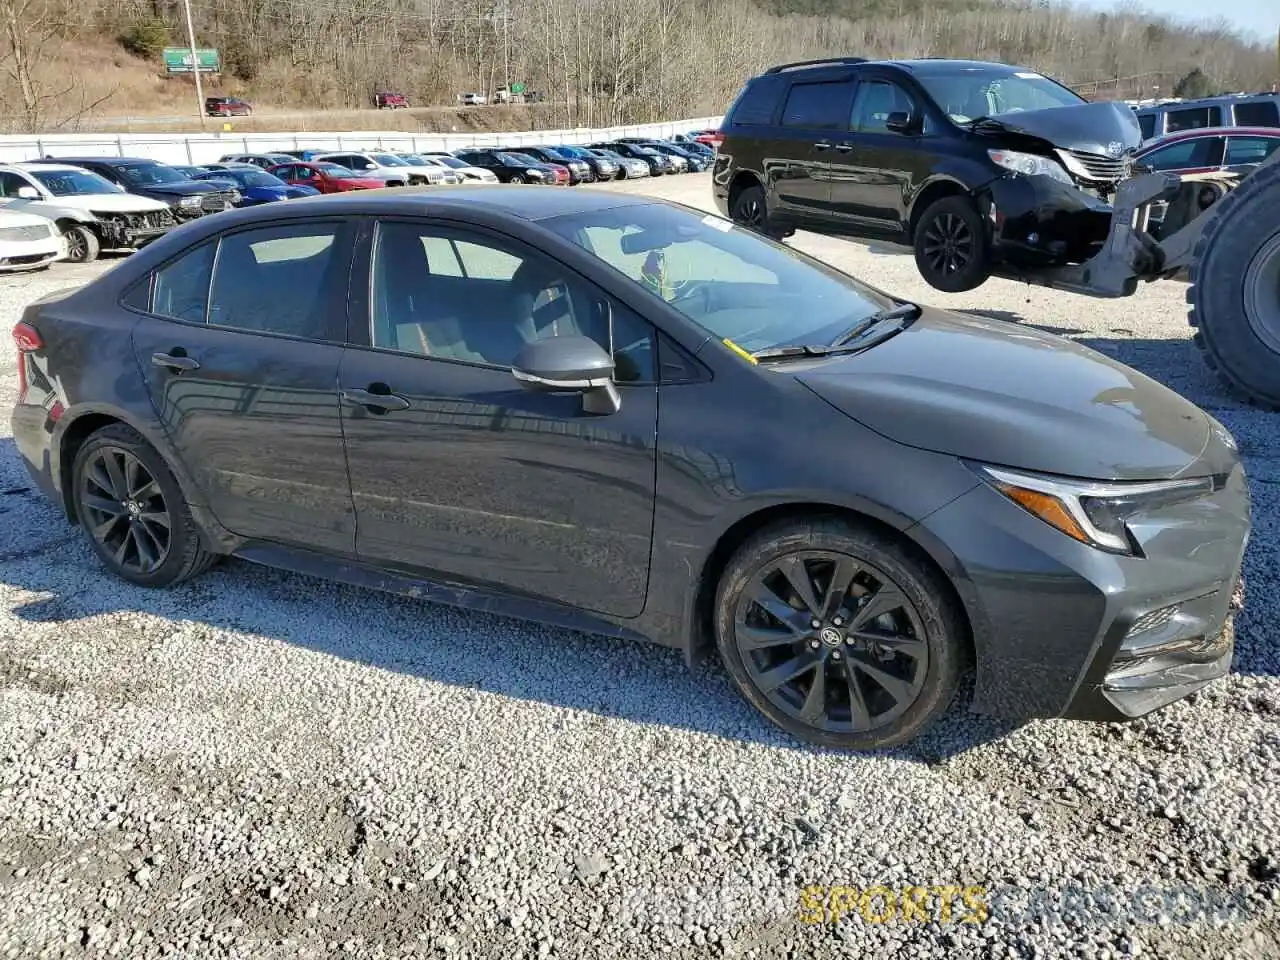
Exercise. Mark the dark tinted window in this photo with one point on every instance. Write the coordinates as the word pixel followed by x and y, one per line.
pixel 818 105
pixel 279 280
pixel 182 286
pixel 1186 154
pixel 1193 118
pixel 1250 149
pixel 876 100
pixel 1147 122
pixel 138 296
pixel 1263 113
pixel 758 102
pixel 448 294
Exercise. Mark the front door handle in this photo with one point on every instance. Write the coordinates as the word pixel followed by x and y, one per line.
pixel 176 361
pixel 843 147
pixel 375 401
pixel 822 145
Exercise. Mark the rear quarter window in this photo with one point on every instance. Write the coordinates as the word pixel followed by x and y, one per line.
pixel 757 103
pixel 1262 113
pixel 1147 121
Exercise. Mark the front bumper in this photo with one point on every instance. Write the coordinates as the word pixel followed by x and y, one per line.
pixel 1061 629
pixel 1040 221
pixel 31 254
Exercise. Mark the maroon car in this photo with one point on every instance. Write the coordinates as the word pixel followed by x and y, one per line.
pixel 1211 149
pixel 227 107
pixel 386 100
pixel 325 177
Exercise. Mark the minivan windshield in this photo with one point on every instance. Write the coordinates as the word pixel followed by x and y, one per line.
pixel 735 284
pixel 967 93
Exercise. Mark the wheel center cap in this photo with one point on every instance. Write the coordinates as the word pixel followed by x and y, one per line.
pixel 134 508
pixel 831 636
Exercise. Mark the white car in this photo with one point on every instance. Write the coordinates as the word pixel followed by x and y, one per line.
pixel 473 99
pixel 387 167
pixel 91 212
pixel 29 242
pixel 463 170
pixel 429 166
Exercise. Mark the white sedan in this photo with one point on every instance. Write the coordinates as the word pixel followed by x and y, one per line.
pixel 29 242
pixel 464 171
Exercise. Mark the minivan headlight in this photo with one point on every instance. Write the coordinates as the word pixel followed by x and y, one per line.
pixel 1030 165
pixel 1091 512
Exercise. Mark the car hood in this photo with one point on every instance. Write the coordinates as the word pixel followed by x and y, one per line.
pixel 17 218
pixel 1014 396
pixel 101 202
pixel 266 193
pixel 186 188
pixel 1087 127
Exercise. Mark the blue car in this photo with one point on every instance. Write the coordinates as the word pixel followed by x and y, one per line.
pixel 257 186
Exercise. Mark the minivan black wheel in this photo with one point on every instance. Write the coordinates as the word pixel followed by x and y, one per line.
pixel 953 253
pixel 133 509
pixel 749 208
pixel 839 635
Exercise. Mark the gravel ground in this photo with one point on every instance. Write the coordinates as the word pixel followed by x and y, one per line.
pixel 262 765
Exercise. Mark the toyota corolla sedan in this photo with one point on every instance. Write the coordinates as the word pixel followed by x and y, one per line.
pixel 614 414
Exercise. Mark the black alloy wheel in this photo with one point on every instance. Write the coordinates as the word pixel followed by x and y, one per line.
pixel 951 246
pixel 133 509
pixel 838 635
pixel 124 510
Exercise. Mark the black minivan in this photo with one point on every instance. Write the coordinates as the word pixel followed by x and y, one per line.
pixel 981 167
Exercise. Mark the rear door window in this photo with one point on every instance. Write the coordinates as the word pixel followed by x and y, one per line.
pixel 1250 149
pixel 1187 155
pixel 1260 113
pixel 1147 122
pixel 1193 118
pixel 818 106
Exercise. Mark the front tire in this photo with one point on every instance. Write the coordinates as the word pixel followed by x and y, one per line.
pixel 83 245
pixel 750 210
pixel 515 178
pixel 883 662
pixel 132 507
pixel 953 252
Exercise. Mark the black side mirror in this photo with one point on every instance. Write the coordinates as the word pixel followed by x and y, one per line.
pixel 900 122
pixel 569 364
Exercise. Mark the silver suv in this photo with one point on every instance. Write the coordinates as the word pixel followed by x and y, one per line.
pixel 1231 110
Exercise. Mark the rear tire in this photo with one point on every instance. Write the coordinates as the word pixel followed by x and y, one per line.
pixel 953 251
pixel 83 245
pixel 133 510
pixel 1235 289
pixel 884 661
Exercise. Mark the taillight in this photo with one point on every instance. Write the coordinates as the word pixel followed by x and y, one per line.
pixel 28 340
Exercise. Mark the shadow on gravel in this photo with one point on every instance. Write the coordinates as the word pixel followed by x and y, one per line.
pixel 611 678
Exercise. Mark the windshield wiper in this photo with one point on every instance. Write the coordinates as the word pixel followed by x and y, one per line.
pixel 859 337
pixel 904 311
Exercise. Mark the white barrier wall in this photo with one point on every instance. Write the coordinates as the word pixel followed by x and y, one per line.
pixel 208 147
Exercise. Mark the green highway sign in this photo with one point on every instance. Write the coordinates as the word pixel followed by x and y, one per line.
pixel 517 88
pixel 178 60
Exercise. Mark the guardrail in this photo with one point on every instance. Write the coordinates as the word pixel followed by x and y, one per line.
pixel 208 147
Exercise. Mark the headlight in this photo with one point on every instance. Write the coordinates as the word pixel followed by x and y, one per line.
pixel 1092 512
pixel 535 174
pixel 1030 165
pixel 189 202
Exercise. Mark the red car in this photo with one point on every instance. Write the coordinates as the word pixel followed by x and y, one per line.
pixel 1211 149
pixel 386 100
pixel 325 177
pixel 227 107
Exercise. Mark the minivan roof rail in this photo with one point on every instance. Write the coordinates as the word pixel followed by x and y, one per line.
pixel 813 63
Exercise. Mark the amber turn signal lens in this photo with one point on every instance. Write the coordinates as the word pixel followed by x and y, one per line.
pixel 1047 508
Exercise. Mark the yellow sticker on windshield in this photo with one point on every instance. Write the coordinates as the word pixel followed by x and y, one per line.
pixel 739 351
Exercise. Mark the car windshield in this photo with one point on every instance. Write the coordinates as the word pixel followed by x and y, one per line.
pixel 249 178
pixel 146 174
pixel 70 183
pixel 647 151
pixel 734 283
pixel 599 152
pixel 574 152
pixel 416 161
pixel 335 170
pixel 521 158
pixel 555 153
pixel 389 160
pixel 969 93
pixel 450 162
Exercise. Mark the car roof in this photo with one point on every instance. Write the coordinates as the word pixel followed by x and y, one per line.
pixel 32 165
pixel 109 160
pixel 528 202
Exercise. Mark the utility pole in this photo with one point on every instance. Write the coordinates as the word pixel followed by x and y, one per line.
pixel 195 63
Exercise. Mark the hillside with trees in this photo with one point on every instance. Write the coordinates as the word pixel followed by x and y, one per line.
pixel 64 62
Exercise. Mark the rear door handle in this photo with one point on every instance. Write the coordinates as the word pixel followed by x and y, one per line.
pixel 375 401
pixel 176 361
pixel 822 145
pixel 843 147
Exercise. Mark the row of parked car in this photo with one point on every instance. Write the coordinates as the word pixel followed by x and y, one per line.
pixel 73 208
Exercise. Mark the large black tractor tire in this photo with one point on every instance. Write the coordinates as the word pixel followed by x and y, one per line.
pixel 1235 288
